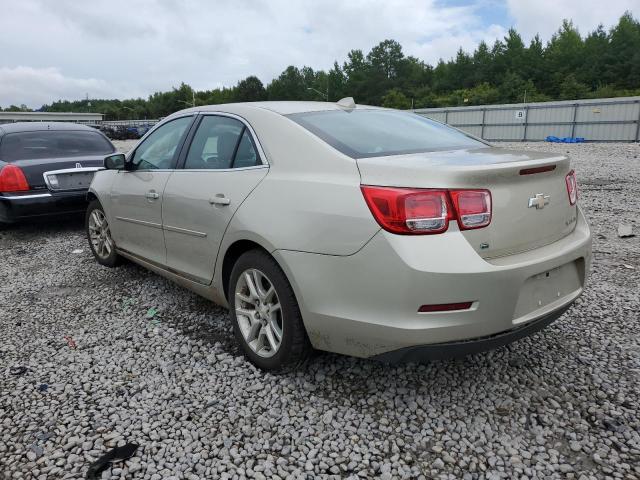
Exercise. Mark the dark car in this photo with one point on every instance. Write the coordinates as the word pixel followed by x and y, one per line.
pixel 46 168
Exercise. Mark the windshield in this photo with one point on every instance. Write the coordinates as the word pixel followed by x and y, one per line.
pixel 378 133
pixel 53 144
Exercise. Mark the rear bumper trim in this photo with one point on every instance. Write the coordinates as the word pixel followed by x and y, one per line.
pixel 448 350
pixel 26 197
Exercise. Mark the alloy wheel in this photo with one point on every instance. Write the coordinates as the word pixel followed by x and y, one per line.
pixel 100 234
pixel 258 312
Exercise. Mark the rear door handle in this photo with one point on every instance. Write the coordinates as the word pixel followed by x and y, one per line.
pixel 219 199
pixel 152 195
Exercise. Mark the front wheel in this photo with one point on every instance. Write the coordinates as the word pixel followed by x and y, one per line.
pixel 266 318
pixel 99 236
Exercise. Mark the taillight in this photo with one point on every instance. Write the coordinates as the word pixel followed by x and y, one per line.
pixel 409 211
pixel 572 187
pixel 12 179
pixel 473 208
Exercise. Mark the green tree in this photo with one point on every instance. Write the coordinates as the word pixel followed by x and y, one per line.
pixel 250 89
pixel 622 61
pixel 396 99
pixel 572 89
pixel 290 85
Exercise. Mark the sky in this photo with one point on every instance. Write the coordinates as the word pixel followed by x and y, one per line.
pixel 68 49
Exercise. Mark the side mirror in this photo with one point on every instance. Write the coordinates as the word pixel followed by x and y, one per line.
pixel 115 161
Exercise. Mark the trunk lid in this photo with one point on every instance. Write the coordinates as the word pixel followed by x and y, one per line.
pixel 34 169
pixel 515 227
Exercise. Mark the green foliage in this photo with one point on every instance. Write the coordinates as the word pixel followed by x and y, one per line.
pixel 250 89
pixel 602 64
pixel 396 99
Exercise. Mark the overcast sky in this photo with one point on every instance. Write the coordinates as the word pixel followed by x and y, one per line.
pixel 65 49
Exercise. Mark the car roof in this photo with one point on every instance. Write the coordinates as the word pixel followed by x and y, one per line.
pixel 283 108
pixel 18 127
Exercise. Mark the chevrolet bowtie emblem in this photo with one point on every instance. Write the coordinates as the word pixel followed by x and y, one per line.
pixel 539 201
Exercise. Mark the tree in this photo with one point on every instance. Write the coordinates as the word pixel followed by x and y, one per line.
pixel 602 64
pixel 572 89
pixel 396 99
pixel 622 61
pixel 564 55
pixel 289 85
pixel 250 90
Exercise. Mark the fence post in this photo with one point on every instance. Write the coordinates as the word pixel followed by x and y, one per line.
pixel 638 123
pixel 484 111
pixel 526 122
pixel 446 117
pixel 573 125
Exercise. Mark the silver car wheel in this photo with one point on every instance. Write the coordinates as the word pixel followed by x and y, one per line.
pixel 258 312
pixel 100 234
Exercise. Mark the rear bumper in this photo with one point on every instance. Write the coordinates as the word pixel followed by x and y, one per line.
pixel 367 304
pixel 16 207
pixel 441 351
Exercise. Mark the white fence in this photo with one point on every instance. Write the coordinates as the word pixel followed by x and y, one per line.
pixel 601 120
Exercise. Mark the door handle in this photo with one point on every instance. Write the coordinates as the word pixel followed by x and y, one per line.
pixel 152 195
pixel 219 199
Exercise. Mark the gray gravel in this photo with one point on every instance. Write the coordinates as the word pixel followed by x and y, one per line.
pixel 561 404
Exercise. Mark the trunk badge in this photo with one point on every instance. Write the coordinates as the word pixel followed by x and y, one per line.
pixel 78 165
pixel 539 201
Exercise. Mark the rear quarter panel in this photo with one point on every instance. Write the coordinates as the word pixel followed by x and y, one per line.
pixel 310 200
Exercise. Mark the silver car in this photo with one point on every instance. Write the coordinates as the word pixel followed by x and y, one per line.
pixel 353 229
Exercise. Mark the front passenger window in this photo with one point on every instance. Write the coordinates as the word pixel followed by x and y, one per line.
pixel 158 151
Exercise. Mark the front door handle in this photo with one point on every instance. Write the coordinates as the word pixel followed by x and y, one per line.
pixel 152 195
pixel 219 199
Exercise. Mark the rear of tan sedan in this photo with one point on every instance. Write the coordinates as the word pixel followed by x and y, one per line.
pixel 471 280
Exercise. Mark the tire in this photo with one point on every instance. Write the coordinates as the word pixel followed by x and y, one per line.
pixel 103 247
pixel 252 331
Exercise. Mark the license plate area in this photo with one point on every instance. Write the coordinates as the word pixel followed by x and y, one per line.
pixel 545 288
pixel 69 179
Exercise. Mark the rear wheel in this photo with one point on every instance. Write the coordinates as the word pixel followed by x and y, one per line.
pixel 266 318
pixel 99 236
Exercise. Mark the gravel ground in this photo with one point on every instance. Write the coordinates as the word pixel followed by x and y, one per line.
pixel 561 404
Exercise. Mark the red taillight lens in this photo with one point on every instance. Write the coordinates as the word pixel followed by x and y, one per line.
pixel 473 208
pixel 12 179
pixel 409 211
pixel 572 187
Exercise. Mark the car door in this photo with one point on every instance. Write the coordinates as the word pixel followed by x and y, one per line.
pixel 218 171
pixel 136 193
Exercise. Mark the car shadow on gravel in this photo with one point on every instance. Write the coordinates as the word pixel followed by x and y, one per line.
pixel 28 230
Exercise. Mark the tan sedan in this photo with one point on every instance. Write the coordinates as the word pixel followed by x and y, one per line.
pixel 353 229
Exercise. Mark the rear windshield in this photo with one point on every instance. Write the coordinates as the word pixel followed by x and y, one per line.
pixel 378 133
pixel 52 144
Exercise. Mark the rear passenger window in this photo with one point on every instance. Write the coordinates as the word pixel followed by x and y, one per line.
pixel 246 155
pixel 214 144
pixel 221 143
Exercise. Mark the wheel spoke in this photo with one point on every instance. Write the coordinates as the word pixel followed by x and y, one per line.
pixel 251 286
pixel 254 331
pixel 277 331
pixel 245 313
pixel 243 298
pixel 274 307
pixel 268 294
pixel 258 277
pixel 273 343
pixel 257 345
